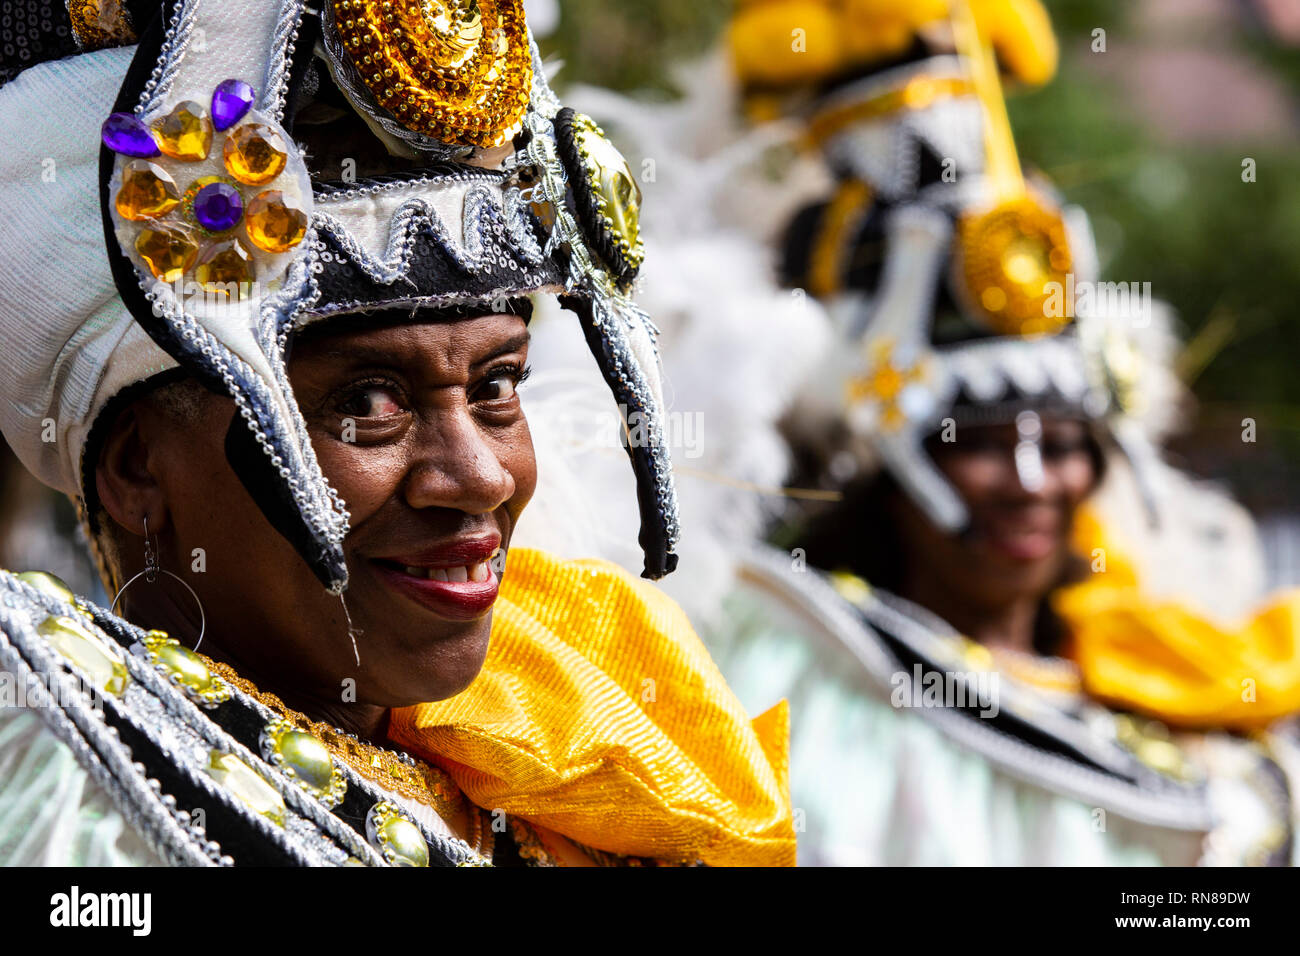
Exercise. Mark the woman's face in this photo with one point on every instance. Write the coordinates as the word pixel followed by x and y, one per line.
pixel 1017 546
pixel 420 430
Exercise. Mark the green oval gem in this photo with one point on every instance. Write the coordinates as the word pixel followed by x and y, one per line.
pixel 307 757
pixel 86 649
pixel 236 776
pixel 48 584
pixel 405 843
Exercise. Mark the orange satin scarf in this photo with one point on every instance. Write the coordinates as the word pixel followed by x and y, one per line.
pixel 1164 660
pixel 599 715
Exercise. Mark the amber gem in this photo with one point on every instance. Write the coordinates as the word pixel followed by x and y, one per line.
pixel 274 223
pixel 185 133
pixel 168 250
pixel 225 267
pixel 147 191
pixel 255 154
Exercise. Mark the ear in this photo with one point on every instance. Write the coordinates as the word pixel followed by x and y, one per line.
pixel 127 486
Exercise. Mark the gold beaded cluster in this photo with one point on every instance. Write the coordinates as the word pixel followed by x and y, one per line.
pixel 458 71
pixel 418 781
pixel 1010 256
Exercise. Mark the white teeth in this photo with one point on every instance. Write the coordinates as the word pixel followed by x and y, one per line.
pixel 479 572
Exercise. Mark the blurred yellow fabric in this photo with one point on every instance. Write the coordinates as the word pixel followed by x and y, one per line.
pixel 1161 659
pixel 781 43
pixel 599 715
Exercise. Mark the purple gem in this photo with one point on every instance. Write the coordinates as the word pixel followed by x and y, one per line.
pixel 217 207
pixel 230 101
pixel 123 133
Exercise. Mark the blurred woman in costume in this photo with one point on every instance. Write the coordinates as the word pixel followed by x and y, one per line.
pixel 276 363
pixel 1019 637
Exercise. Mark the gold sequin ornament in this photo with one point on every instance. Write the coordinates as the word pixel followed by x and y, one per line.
pixel 147 191
pixel 254 154
pixel 1012 256
pixel 168 249
pixel 225 268
pixel 185 133
pixel 97 24
pixel 458 71
pixel 274 223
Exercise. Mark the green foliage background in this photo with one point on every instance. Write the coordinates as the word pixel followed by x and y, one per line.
pixel 1219 250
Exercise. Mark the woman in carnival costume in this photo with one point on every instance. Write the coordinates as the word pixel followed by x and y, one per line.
pixel 265 310
pixel 1025 643
pixel 1018 637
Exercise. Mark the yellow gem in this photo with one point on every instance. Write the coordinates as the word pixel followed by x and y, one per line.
pixel 168 250
pixel 90 652
pixel 254 154
pixel 274 224
pixel 147 191
pixel 181 662
pixel 237 777
pixel 49 585
pixel 613 183
pixel 308 757
pixel 225 267
pixel 405 842
pixel 185 133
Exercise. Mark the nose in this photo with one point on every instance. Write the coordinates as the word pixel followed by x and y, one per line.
pixel 456 466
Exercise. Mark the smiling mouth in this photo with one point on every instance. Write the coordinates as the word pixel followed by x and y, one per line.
pixel 477 572
pixel 457 592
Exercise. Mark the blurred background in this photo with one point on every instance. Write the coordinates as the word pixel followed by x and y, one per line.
pixel 1149 136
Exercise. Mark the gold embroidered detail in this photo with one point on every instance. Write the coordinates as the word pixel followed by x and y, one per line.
pixel 417 780
pixel 459 71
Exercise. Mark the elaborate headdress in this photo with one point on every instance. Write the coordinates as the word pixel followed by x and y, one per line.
pixel 172 219
pixel 969 289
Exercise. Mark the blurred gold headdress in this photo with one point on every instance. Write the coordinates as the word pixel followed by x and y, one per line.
pixel 780 44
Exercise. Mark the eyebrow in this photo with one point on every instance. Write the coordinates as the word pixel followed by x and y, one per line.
pixel 513 344
pixel 384 357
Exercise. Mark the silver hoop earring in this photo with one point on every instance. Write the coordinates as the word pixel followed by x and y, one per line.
pixel 150 574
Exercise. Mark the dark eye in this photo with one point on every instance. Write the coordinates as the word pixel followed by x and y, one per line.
pixel 371 401
pixel 499 385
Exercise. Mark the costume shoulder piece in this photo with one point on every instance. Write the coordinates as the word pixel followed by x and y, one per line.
pixel 204 773
pixel 1034 728
pixel 597 700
